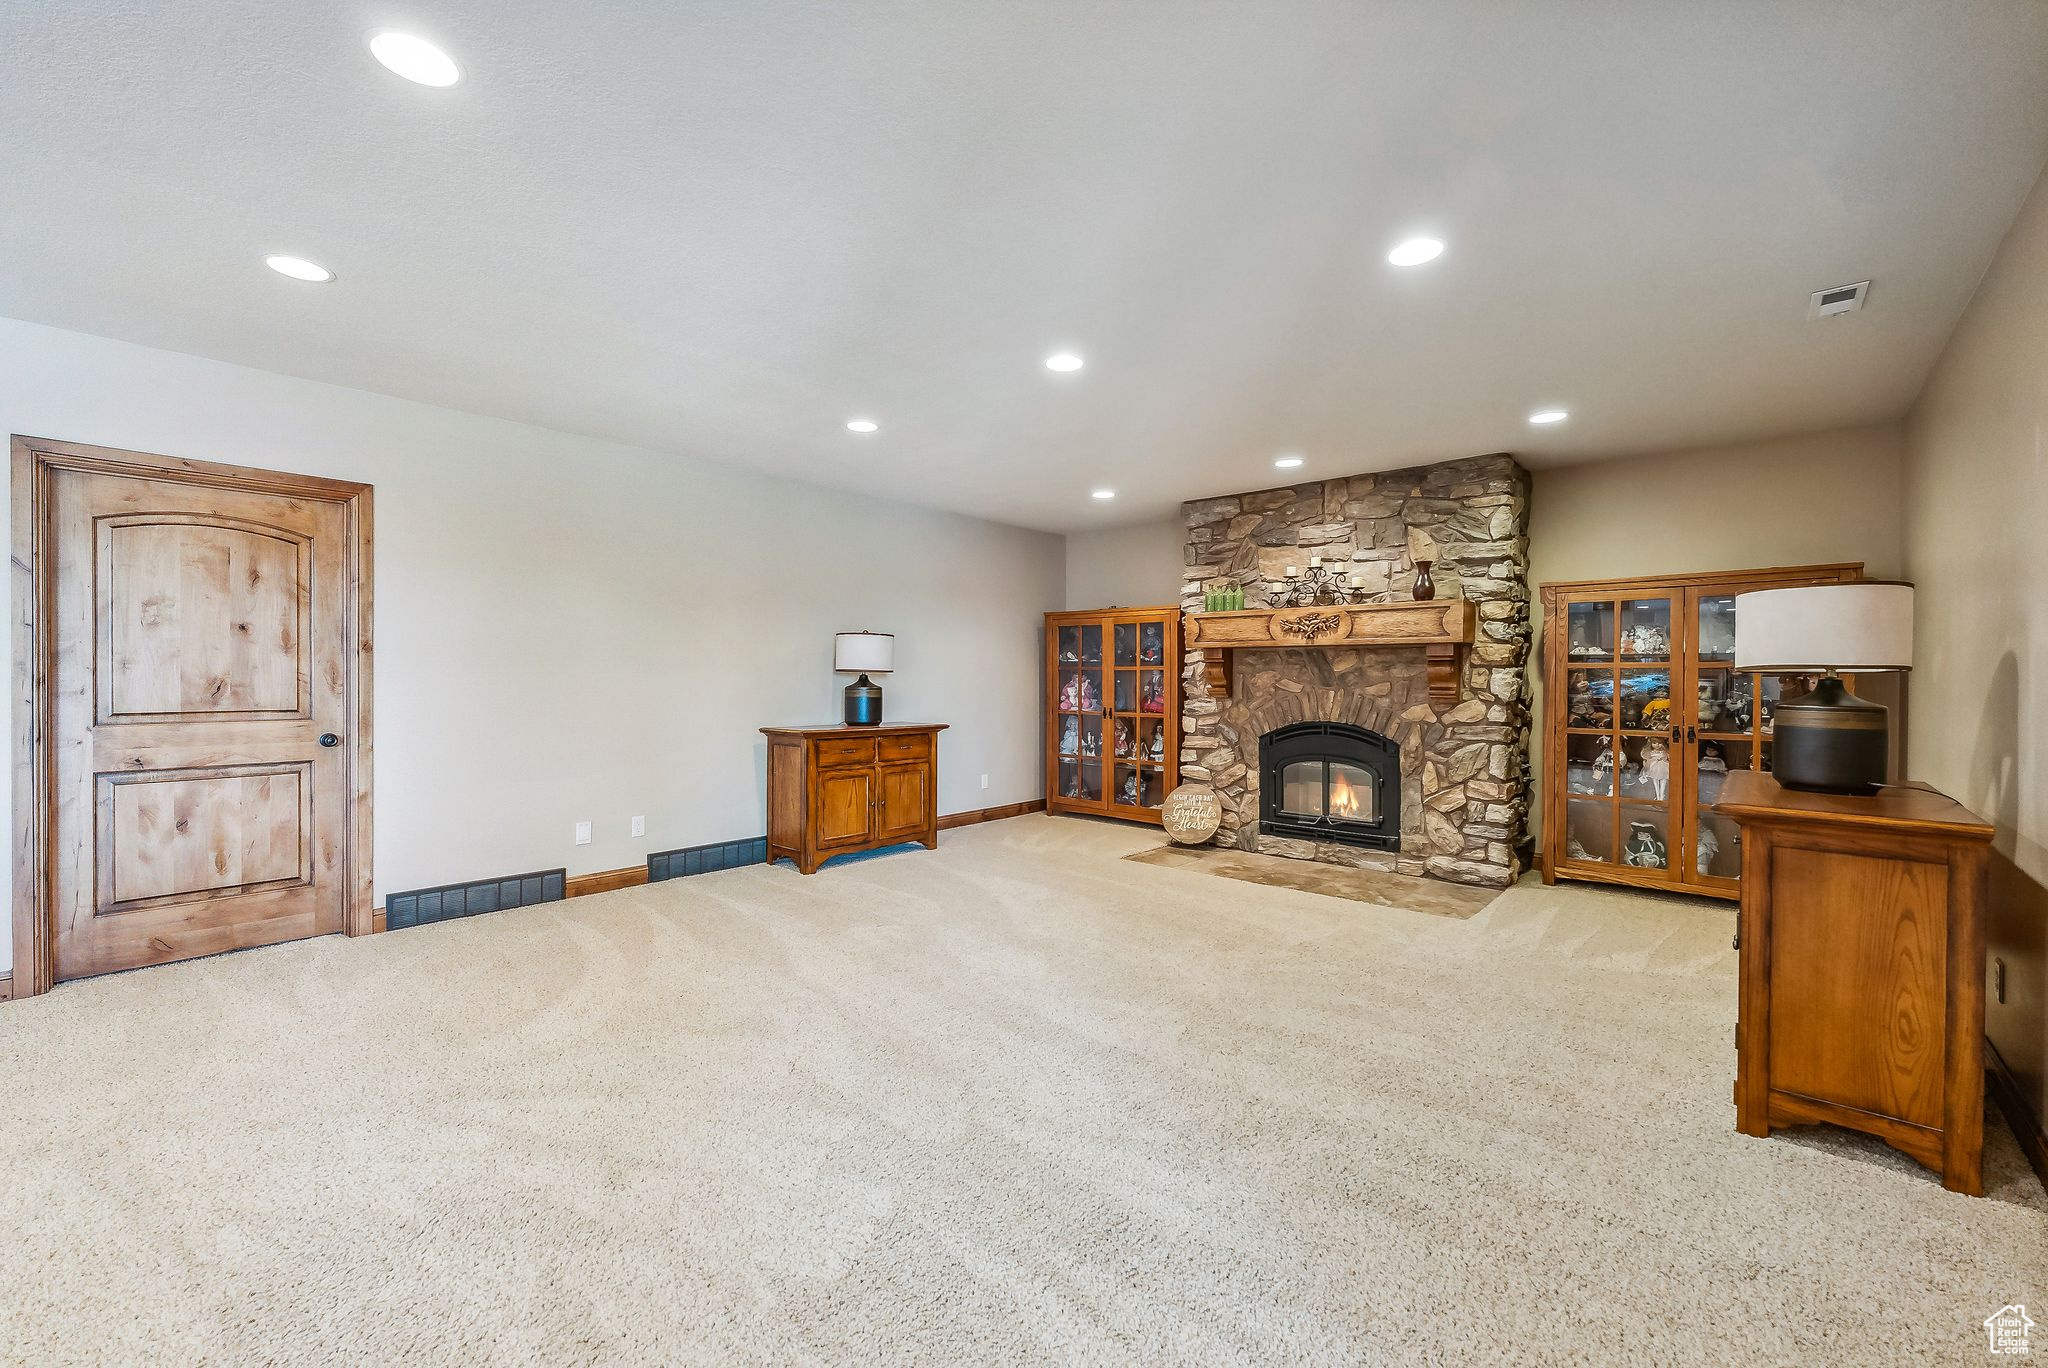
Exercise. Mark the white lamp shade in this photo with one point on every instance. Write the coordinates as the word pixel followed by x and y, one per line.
pixel 1859 626
pixel 864 652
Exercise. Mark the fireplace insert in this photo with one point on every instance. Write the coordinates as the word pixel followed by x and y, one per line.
pixel 1329 781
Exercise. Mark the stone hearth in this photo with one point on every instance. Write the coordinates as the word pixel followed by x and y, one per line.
pixel 1464 779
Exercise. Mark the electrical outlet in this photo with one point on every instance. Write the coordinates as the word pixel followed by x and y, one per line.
pixel 984 781
pixel 1998 979
pixel 639 826
pixel 583 833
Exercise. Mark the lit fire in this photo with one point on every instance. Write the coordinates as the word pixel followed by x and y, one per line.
pixel 1344 800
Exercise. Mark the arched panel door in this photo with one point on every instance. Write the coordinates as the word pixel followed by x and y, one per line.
pixel 200 670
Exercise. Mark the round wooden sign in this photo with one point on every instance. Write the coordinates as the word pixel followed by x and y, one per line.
pixel 1192 814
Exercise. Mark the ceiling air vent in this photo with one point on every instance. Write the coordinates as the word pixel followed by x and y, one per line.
pixel 1840 300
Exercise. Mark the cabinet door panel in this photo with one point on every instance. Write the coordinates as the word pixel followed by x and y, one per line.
pixel 845 807
pixel 905 804
pixel 1858 957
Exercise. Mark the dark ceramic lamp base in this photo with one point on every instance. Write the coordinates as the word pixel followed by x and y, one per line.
pixel 1831 741
pixel 863 703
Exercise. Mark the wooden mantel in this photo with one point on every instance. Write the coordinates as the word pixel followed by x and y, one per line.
pixel 1442 627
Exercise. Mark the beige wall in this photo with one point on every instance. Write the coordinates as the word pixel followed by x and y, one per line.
pixel 1126 567
pixel 1821 498
pixel 1827 496
pixel 570 629
pixel 1976 469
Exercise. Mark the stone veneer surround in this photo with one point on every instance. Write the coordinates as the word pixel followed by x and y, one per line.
pixel 1464 766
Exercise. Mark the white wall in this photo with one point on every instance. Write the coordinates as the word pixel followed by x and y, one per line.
pixel 568 628
pixel 1977 548
pixel 1126 567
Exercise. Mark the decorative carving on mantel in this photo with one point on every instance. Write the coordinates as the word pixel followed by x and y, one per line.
pixel 1310 627
pixel 1442 627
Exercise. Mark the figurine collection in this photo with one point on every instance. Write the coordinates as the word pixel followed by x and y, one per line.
pixel 1130 739
pixel 1645 642
pixel 1644 848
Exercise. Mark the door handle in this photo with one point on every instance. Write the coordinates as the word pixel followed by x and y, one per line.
pixel 329 739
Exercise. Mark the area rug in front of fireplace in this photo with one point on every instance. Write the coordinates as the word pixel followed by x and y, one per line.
pixel 1379 887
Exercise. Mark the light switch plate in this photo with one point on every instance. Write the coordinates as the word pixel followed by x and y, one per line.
pixel 984 781
pixel 583 833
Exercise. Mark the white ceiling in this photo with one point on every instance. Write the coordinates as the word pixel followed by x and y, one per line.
pixel 726 228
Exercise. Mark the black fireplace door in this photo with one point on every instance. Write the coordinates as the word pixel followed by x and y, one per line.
pixel 1330 781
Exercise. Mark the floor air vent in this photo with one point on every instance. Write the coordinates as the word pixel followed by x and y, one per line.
pixel 675 864
pixel 423 905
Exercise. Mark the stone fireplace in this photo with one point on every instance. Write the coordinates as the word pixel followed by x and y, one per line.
pixel 1448 778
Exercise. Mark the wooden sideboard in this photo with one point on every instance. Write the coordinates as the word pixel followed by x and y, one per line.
pixel 838 789
pixel 1862 968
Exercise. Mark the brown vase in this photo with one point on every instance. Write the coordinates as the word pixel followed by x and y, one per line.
pixel 1425 587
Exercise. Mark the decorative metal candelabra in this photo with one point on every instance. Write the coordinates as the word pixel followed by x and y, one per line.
pixel 1323 585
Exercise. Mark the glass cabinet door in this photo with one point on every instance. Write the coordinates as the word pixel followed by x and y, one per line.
pixel 1620 794
pixel 1720 737
pixel 1137 715
pixel 1644 829
pixel 1589 750
pixel 1728 728
pixel 1078 713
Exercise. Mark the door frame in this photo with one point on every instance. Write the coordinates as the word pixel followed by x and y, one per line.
pixel 35 461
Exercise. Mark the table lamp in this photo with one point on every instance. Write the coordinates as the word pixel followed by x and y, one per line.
pixel 863 653
pixel 1829 741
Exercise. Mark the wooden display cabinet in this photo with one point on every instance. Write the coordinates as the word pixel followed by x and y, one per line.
pixel 1112 707
pixel 1645 717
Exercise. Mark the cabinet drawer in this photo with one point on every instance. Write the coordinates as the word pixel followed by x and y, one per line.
pixel 906 747
pixel 836 751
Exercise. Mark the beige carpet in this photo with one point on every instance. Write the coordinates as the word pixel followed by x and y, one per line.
pixel 1019 1100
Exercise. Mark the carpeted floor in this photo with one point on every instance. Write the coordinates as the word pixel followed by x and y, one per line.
pixel 1019 1100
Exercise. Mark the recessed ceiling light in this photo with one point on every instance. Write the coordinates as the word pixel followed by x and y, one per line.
pixel 1415 251
pixel 416 59
pixel 298 268
pixel 1063 361
pixel 1545 417
pixel 1288 462
pixel 1105 493
pixel 863 425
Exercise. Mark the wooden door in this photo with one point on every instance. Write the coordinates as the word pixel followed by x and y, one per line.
pixel 200 688
pixel 845 807
pixel 903 803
